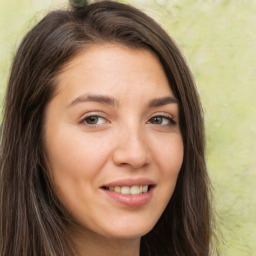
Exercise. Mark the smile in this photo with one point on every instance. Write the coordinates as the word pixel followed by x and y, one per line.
pixel 131 196
pixel 129 190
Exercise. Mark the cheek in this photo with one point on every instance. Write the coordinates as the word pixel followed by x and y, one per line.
pixel 74 167
pixel 170 152
pixel 74 153
pixel 170 161
pixel 76 161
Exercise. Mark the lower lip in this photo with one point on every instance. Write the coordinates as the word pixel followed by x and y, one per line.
pixel 130 200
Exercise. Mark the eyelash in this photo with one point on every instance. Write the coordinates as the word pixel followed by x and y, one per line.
pixel 167 119
pixel 97 117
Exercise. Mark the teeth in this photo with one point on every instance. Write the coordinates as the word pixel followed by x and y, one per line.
pixel 145 189
pixel 126 190
pixel 112 188
pixel 135 190
pixel 117 189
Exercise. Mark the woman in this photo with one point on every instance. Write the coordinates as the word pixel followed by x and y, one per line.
pixel 102 140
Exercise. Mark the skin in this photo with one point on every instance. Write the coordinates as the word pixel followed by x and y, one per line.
pixel 91 142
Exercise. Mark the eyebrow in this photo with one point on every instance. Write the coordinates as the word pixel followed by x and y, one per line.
pixel 94 98
pixel 108 100
pixel 162 101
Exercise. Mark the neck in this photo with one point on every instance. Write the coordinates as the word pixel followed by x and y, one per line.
pixel 89 243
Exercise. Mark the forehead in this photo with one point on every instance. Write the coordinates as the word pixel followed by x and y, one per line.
pixel 107 55
pixel 114 68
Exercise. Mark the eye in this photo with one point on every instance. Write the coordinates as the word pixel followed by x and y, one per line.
pixel 94 120
pixel 162 120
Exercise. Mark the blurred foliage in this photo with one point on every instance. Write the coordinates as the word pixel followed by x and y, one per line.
pixel 218 38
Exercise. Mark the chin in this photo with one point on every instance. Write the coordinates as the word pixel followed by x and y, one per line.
pixel 129 230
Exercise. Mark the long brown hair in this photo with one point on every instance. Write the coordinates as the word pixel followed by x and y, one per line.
pixel 32 220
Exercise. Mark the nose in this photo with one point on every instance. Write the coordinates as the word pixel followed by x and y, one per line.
pixel 131 149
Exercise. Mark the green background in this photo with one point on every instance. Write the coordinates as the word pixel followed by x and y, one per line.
pixel 218 38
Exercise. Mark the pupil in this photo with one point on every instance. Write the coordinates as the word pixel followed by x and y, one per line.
pixel 92 119
pixel 157 120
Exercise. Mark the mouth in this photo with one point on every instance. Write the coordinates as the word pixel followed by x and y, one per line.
pixel 129 190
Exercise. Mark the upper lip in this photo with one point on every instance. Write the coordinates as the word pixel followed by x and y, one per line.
pixel 130 182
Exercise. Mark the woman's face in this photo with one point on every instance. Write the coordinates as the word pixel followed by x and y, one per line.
pixel 113 140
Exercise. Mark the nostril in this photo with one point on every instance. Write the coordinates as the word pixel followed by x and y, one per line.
pixel 131 152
